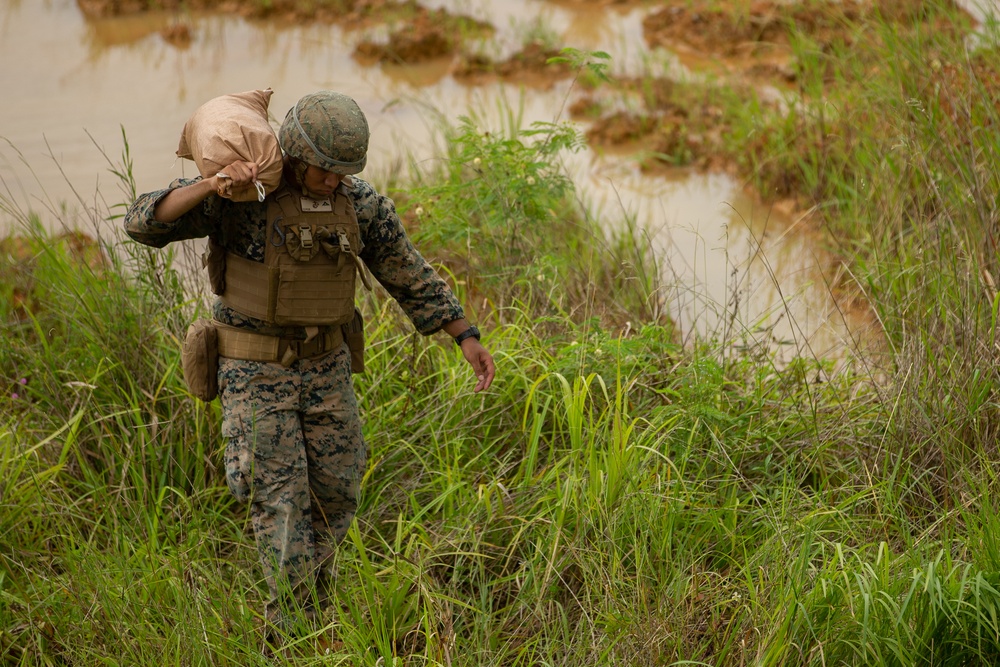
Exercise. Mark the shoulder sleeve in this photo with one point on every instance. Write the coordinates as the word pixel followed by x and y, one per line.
pixel 141 226
pixel 400 268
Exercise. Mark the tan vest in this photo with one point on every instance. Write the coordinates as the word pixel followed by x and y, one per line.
pixel 310 263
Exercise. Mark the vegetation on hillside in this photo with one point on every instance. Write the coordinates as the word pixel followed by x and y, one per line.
pixel 615 498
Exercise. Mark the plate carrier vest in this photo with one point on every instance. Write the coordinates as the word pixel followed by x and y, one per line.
pixel 310 264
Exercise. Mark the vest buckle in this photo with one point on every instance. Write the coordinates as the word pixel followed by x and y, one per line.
pixel 305 237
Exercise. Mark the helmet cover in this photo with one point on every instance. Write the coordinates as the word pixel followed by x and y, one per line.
pixel 327 130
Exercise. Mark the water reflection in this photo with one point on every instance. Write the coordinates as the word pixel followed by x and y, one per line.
pixel 82 83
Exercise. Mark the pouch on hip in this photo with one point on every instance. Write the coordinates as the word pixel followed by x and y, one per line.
pixel 354 334
pixel 200 359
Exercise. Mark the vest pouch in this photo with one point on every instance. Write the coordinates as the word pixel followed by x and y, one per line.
pixel 316 294
pixel 310 265
pixel 200 359
pixel 354 336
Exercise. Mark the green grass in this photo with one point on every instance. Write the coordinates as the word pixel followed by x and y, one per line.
pixel 615 498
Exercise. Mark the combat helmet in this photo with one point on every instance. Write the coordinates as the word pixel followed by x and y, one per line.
pixel 327 130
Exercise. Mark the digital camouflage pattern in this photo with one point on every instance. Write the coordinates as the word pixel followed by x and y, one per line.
pixel 239 226
pixel 328 130
pixel 296 453
pixel 296 431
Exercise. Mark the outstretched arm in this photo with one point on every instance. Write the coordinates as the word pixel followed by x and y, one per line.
pixel 423 295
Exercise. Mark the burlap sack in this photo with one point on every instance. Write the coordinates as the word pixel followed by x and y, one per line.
pixel 200 359
pixel 230 128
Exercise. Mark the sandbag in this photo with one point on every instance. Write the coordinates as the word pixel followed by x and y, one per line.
pixel 230 128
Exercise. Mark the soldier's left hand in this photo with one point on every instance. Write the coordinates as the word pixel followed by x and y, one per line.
pixel 481 361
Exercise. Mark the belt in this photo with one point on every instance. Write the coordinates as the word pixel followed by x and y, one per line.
pixel 236 343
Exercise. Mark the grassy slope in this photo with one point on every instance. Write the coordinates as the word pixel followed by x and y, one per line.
pixel 613 500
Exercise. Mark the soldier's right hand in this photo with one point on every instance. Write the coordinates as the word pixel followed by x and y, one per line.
pixel 237 174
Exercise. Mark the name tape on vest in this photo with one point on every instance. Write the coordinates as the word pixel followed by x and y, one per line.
pixel 315 205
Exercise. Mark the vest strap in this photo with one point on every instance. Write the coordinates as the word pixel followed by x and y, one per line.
pixel 237 343
pixel 286 204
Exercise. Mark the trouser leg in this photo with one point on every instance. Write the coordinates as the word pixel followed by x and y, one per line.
pixel 335 451
pixel 282 519
pixel 267 465
pixel 335 446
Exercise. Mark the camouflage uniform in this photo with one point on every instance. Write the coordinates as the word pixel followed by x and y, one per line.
pixel 295 449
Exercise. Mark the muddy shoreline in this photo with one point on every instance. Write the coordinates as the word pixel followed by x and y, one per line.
pixel 746 46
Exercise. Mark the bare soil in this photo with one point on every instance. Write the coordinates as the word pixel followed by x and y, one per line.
pixel 669 128
pixel 756 36
pixel 529 66
pixel 426 36
pixel 951 85
pixel 760 26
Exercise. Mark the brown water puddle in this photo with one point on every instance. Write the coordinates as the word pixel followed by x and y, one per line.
pixel 82 82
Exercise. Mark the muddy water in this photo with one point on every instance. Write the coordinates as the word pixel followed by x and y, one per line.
pixel 72 86
pixel 981 9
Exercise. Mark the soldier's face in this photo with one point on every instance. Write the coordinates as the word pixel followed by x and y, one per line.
pixel 320 183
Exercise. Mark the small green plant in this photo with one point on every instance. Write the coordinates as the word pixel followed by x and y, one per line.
pixel 592 66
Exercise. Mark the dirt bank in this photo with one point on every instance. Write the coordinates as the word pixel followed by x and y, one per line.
pixel 764 27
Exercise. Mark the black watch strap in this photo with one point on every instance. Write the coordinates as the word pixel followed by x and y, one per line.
pixel 471 332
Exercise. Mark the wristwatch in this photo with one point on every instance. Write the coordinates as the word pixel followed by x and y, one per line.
pixel 471 332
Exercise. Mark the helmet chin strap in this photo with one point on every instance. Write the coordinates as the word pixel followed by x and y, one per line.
pixel 297 171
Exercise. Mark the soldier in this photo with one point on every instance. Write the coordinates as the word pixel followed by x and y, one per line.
pixel 284 272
